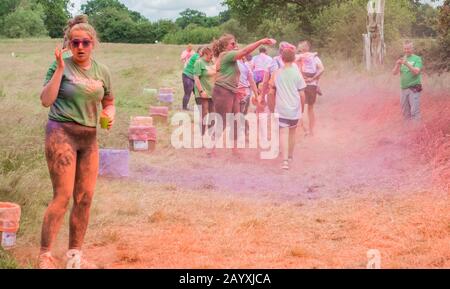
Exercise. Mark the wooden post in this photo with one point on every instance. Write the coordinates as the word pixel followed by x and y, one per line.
pixel 374 46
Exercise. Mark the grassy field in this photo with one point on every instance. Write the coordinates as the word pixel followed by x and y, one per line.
pixel 364 182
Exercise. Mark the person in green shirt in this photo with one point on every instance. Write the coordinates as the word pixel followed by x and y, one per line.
pixel 188 79
pixel 410 68
pixel 74 89
pixel 204 72
pixel 226 87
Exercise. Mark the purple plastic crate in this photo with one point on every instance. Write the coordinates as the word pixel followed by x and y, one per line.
pixel 114 163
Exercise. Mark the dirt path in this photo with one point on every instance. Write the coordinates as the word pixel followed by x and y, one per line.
pixel 351 151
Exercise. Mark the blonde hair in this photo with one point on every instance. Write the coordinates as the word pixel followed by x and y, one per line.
pixel 303 45
pixel 86 27
pixel 220 45
pixel 71 23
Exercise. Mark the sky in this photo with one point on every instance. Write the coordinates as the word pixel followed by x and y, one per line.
pixel 165 9
pixel 169 9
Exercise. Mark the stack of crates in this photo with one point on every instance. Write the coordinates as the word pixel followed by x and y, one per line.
pixel 142 135
pixel 166 95
pixel 159 114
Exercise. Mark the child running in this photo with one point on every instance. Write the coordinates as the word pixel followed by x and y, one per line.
pixel 287 85
pixel 312 69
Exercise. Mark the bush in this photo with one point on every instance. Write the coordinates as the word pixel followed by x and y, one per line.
pixel 444 36
pixel 24 22
pixel 339 28
pixel 193 34
pixel 235 28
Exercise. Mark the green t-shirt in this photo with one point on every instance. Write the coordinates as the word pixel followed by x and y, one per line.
pixel 80 93
pixel 228 74
pixel 189 70
pixel 201 70
pixel 408 79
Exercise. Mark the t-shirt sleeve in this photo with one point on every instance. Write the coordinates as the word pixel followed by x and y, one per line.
pixel 50 72
pixel 273 65
pixel 198 67
pixel 418 63
pixel 107 86
pixel 230 57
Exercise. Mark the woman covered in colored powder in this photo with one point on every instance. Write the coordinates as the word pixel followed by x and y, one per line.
pixel 226 88
pixel 74 88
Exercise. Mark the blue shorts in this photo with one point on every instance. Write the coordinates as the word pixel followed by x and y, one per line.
pixel 290 123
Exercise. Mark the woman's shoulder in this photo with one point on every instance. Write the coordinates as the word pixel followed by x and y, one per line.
pixel 100 66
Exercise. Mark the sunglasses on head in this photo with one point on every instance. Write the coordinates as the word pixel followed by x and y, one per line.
pixel 85 42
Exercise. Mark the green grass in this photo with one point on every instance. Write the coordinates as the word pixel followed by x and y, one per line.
pixel 7 261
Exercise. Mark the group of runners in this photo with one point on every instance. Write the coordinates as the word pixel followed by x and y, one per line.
pixel 226 79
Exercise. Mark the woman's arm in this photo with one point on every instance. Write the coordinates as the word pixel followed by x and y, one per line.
pixel 109 108
pixel 320 71
pixel 253 84
pixel 199 86
pixel 271 97
pixel 302 99
pixel 252 47
pixel 50 91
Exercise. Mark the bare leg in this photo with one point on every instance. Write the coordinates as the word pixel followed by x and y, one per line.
pixel 284 142
pixel 292 139
pixel 312 118
pixel 86 177
pixel 61 160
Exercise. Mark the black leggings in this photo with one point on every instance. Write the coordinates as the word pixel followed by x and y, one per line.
pixel 188 85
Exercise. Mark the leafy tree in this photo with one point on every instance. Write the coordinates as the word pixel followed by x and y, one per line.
pixel 235 28
pixel 114 22
pixel 224 16
pixel 193 34
pixel 300 11
pixel 444 35
pixel 163 27
pixel 8 6
pixel 190 16
pixel 56 16
pixel 24 22
pixel 426 20
pixel 94 7
pixel 338 28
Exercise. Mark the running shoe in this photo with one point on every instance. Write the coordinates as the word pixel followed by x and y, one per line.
pixel 75 260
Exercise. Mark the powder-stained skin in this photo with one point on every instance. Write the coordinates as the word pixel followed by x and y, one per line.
pixel 72 157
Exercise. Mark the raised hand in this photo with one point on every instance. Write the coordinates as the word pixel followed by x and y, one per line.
pixel 59 57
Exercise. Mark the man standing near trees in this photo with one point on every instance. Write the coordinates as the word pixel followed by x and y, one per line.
pixel 410 68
